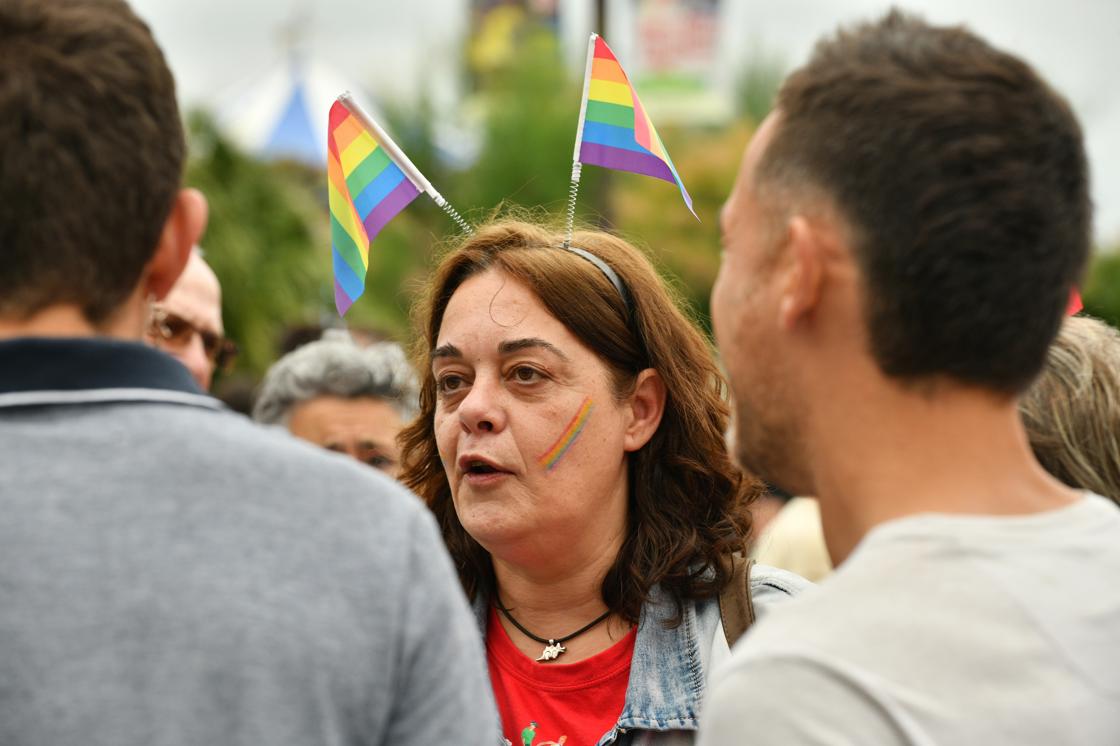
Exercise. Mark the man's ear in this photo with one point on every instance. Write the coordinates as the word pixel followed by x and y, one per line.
pixel 647 405
pixel 180 234
pixel 804 273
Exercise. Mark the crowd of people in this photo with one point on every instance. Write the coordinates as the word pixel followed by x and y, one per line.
pixel 557 542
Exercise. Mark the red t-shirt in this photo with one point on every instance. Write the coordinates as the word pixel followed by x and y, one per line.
pixel 557 704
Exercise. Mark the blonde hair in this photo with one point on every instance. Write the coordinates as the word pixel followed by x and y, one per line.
pixel 1072 412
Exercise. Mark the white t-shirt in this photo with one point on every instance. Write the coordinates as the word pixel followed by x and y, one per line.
pixel 939 629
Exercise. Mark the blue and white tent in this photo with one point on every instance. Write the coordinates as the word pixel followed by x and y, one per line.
pixel 282 113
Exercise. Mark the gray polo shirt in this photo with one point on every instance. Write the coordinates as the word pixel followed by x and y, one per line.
pixel 172 574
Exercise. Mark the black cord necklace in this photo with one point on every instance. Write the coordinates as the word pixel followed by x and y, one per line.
pixel 553 646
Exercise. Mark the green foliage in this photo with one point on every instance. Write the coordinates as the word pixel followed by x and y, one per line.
pixel 268 241
pixel 268 238
pixel 526 112
pixel 651 211
pixel 756 86
pixel 1102 287
pixel 529 113
pixel 265 241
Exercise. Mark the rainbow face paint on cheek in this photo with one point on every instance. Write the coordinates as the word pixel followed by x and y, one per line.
pixel 552 456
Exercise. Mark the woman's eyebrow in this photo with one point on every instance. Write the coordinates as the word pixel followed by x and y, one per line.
pixel 516 345
pixel 446 351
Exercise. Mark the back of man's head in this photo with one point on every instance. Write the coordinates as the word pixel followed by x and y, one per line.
pixel 91 154
pixel 963 178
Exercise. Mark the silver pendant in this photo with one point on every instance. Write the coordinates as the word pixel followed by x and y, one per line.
pixel 552 651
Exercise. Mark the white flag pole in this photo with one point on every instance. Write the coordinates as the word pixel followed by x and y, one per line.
pixel 586 90
pixel 577 167
pixel 398 156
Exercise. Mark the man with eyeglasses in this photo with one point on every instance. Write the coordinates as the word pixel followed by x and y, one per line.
pixel 187 324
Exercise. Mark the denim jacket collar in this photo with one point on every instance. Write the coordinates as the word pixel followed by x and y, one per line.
pixel 667 672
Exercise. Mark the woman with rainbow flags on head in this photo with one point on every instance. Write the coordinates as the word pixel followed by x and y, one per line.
pixel 571 445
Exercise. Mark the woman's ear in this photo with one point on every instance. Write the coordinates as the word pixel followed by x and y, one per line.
pixel 647 405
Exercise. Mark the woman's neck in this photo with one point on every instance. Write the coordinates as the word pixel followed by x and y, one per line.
pixel 559 601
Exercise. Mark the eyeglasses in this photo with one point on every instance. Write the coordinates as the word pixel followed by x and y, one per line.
pixel 177 331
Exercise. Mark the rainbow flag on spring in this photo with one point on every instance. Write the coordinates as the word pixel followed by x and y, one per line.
pixel 616 132
pixel 365 189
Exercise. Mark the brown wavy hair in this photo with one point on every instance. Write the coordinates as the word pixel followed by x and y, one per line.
pixel 687 503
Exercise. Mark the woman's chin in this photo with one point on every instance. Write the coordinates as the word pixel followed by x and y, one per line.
pixel 498 529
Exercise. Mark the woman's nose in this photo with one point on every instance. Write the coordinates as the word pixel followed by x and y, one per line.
pixel 482 409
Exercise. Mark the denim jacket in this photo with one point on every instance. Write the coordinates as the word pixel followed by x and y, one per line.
pixel 671 667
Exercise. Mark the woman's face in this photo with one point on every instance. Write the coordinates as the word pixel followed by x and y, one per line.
pixel 531 437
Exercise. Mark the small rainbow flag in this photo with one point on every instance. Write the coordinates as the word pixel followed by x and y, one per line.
pixel 614 129
pixel 366 189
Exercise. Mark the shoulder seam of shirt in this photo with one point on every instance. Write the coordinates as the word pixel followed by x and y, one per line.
pixel 108 396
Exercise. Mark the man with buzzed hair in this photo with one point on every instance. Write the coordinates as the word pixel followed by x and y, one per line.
pixel 170 573
pixel 899 251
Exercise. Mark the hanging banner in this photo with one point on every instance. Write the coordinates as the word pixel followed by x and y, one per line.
pixel 677 45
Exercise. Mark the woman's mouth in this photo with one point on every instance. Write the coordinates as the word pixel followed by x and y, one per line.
pixel 478 471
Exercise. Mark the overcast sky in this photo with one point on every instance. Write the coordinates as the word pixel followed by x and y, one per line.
pixel 214 46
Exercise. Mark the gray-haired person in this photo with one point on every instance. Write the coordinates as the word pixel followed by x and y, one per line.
pixel 343 397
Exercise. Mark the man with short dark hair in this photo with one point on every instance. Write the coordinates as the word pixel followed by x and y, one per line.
pixel 170 573
pixel 898 254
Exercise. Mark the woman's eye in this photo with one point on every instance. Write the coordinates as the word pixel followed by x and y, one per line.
pixel 449 383
pixel 525 374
